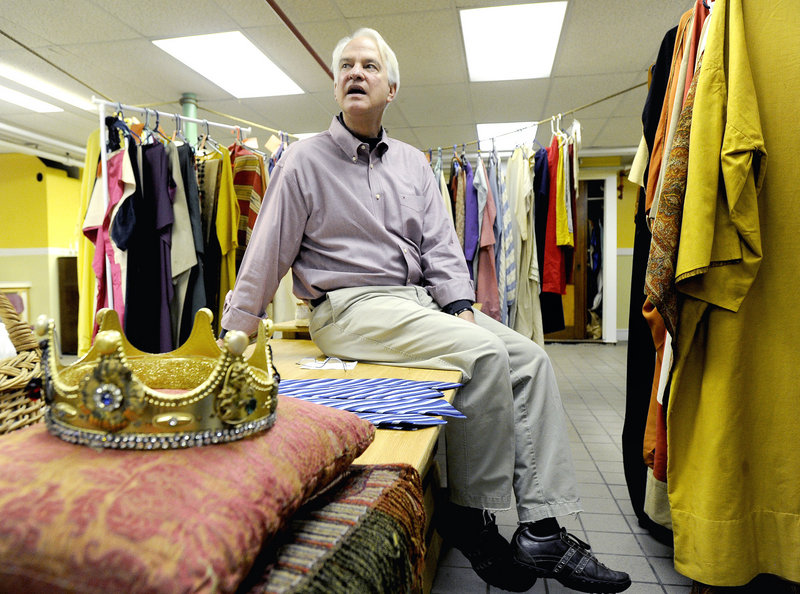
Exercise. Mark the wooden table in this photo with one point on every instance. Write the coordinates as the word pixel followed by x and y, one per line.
pixel 390 446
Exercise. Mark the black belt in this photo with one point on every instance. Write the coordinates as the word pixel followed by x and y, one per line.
pixel 318 301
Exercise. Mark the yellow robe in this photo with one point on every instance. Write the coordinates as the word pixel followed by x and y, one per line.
pixel 733 473
pixel 226 227
pixel 86 276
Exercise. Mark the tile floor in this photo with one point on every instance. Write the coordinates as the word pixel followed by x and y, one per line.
pixel 592 382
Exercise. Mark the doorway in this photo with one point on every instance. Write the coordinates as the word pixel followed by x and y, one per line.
pixel 590 301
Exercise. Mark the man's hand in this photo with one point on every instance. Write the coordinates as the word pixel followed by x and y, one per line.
pixel 467 315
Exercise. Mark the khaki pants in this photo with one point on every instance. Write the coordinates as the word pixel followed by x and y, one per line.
pixel 514 436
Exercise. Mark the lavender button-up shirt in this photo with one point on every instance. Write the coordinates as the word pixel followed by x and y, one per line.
pixel 341 216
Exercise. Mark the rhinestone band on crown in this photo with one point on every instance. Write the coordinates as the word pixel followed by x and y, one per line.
pixel 199 394
pixel 155 442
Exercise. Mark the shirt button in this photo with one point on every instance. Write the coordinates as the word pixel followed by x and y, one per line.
pixel 363 147
pixel 405 250
pixel 370 165
pixel 378 196
pixel 355 159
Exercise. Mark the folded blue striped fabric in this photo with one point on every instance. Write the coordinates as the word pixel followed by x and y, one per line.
pixel 385 402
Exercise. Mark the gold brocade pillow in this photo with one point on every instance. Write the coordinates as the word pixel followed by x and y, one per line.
pixel 76 519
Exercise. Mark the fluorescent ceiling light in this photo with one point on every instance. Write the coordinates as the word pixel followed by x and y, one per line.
pixel 507 135
pixel 46 88
pixel 512 42
pixel 241 69
pixel 26 101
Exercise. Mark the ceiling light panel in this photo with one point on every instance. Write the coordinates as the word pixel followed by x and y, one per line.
pixel 231 62
pixel 46 88
pixel 26 101
pixel 512 42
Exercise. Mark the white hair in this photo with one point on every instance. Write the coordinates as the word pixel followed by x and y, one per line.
pixel 387 55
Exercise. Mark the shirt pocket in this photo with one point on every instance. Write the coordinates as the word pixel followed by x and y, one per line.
pixel 412 208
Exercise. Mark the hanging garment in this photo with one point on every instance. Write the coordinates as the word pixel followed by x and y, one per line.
pixel 183 256
pixel 700 15
pixel 438 173
pixel 97 227
pixel 505 266
pixel 482 194
pixel 641 355
pixel 149 290
pixel 486 275
pixel 86 277
pixel 733 410
pixel 657 150
pixel 458 181
pixel 195 290
pixel 250 179
pixel 220 215
pixel 471 238
pixel 128 182
pixel 563 208
pixel 527 317
pixel 554 279
pixel 680 73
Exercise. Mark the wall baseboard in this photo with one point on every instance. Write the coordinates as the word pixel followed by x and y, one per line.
pixel 622 335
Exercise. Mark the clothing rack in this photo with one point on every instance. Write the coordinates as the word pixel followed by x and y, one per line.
pixel 102 105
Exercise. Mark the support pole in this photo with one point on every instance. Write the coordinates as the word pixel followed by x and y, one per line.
pixel 188 102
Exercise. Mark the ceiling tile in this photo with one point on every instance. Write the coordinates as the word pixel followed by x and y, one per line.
pixel 155 19
pixel 509 101
pixel 310 11
pixel 283 48
pixel 249 13
pixel 358 8
pixel 428 46
pixel 613 35
pixel 433 105
pixel 407 135
pixel 445 136
pixel 572 92
pixel 52 22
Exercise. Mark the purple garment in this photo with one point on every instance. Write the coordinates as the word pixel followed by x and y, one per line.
pixel 147 320
pixel 342 216
pixel 471 237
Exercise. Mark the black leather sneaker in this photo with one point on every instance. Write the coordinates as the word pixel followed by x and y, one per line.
pixel 474 532
pixel 566 559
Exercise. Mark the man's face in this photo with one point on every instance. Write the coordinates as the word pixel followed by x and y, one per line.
pixel 362 83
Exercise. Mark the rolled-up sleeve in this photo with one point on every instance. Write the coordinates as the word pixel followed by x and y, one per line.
pixel 444 267
pixel 274 244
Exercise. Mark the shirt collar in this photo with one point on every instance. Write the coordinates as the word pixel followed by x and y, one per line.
pixel 350 144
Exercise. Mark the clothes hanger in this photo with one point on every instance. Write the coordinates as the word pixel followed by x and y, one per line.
pixel 159 133
pixel 206 139
pixel 179 130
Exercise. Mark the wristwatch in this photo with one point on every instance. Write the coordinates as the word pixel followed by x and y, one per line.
pixel 462 310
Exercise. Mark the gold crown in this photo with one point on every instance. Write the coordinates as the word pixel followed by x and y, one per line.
pixel 117 396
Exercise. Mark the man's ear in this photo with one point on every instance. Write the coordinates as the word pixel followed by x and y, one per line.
pixel 392 93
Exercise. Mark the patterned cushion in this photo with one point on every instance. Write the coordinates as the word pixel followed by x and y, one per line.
pixel 72 518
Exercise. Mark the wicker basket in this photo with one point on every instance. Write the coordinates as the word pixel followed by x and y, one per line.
pixel 16 409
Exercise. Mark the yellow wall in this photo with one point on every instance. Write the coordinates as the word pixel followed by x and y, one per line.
pixel 63 201
pixel 23 202
pixel 37 225
pixel 626 209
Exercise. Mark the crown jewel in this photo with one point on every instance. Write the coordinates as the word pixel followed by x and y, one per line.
pixel 119 397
